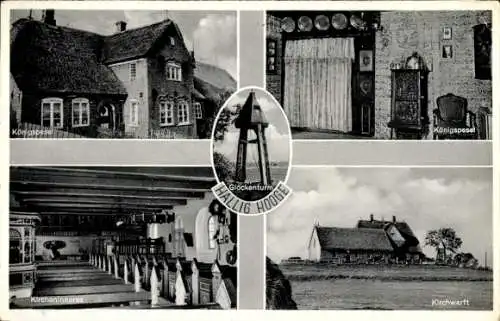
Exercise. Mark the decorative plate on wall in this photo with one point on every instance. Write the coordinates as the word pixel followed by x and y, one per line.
pixel 357 22
pixel 322 22
pixel 288 24
pixel 305 23
pixel 339 21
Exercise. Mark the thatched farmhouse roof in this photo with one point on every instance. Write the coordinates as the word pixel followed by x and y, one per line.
pixel 45 58
pixel 404 229
pixel 335 238
pixel 135 43
pixel 48 58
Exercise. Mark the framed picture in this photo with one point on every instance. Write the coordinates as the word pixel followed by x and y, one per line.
pixel 447 33
pixel 365 60
pixel 271 55
pixel 447 52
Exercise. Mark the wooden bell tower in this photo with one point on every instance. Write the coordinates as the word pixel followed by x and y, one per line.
pixel 251 117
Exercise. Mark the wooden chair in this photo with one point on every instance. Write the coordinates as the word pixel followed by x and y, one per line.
pixel 452 119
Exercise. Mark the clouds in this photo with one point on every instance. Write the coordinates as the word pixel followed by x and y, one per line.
pixel 340 197
pixel 215 41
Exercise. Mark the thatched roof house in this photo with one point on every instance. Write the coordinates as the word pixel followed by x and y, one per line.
pixel 133 81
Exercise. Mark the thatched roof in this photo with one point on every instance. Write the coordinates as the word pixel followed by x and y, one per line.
pixel 59 59
pixel 215 76
pixel 336 238
pixel 135 43
pixel 411 241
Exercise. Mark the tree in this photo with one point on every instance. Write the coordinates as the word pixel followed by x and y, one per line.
pixel 223 121
pixel 445 239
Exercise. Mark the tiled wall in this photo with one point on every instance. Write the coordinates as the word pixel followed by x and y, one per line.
pixel 273 81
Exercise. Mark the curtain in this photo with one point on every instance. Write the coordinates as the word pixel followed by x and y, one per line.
pixel 318 83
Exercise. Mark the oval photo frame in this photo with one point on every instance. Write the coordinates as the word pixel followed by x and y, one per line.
pixel 251 152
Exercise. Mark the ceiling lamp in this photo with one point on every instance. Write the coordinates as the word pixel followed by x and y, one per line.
pixel 305 23
pixel 322 22
pixel 339 21
pixel 288 24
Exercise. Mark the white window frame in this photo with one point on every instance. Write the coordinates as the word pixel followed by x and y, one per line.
pixel 52 102
pixel 133 71
pixel 182 105
pixel 212 230
pixel 134 112
pixel 167 108
pixel 80 101
pixel 198 112
pixel 173 71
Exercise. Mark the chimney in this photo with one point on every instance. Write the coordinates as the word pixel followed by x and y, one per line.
pixel 371 217
pixel 393 219
pixel 49 17
pixel 121 26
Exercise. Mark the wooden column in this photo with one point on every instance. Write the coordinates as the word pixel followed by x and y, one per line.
pixel 109 260
pixel 126 270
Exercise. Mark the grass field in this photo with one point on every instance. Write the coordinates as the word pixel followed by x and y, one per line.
pixel 388 287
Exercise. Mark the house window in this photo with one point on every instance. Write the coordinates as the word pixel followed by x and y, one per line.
pixel 52 112
pixel 197 110
pixel 172 41
pixel 212 230
pixel 183 113
pixel 174 71
pixel 133 71
pixel 134 112
pixel 80 110
pixel 166 113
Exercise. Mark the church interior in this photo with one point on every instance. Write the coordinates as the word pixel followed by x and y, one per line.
pixel 120 237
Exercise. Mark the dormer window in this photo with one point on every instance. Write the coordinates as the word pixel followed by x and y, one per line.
pixel 172 41
pixel 174 71
pixel 133 71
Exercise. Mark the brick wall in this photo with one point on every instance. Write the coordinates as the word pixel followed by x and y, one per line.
pixel 408 31
pixel 273 81
pixel 158 82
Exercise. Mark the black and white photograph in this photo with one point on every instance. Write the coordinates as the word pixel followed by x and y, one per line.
pixel 383 239
pixel 381 74
pixel 120 74
pixel 251 144
pixel 119 237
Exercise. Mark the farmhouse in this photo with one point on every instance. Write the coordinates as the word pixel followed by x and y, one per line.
pixel 371 241
pixel 137 83
pixel 118 237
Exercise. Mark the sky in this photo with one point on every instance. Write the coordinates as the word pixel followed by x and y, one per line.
pixel 277 133
pixel 212 34
pixel 426 198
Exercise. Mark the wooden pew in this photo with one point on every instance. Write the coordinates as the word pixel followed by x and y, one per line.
pixel 183 287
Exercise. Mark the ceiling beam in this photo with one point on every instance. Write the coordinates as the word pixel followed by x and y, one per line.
pixel 74 201
pixel 83 180
pixel 23 190
pixel 95 187
pixel 122 172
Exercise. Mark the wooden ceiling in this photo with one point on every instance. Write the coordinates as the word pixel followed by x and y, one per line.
pixel 106 190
